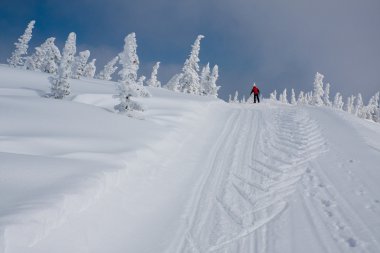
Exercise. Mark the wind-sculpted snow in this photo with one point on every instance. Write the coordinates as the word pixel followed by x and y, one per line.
pixel 253 168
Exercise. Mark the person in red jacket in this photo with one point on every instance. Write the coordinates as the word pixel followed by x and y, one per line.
pixel 256 93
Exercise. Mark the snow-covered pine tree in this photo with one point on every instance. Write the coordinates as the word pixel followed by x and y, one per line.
pixel 350 104
pixel 17 58
pixel 128 76
pixel 153 82
pixel 213 88
pixel 60 82
pixel 371 110
pixel 358 111
pixel 90 69
pixel 236 97
pixel 46 57
pixel 173 83
pixel 140 89
pixel 108 69
pixel 273 95
pixel 189 80
pixel 79 64
pixel 229 98
pixel 293 100
pixel 326 95
pixel 338 101
pixel 318 90
pixel 301 98
pixel 205 79
pixel 243 100
pixel 284 97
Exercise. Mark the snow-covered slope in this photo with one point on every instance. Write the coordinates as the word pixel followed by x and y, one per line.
pixel 192 174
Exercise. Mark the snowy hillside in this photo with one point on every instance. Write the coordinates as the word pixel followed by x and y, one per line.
pixel 191 174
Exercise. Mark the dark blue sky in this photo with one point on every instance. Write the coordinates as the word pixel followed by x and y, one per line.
pixel 278 44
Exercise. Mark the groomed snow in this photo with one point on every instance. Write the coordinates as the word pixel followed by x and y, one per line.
pixel 189 174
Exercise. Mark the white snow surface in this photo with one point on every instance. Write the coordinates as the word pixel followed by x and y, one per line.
pixel 189 174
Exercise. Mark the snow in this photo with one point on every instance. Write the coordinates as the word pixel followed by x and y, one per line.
pixel 190 174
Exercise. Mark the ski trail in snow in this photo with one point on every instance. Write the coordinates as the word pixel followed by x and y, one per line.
pixel 254 166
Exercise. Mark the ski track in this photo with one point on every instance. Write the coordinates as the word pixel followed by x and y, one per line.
pixel 247 187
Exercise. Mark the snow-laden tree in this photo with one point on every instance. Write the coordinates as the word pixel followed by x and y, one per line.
pixel 213 87
pixel 273 95
pixel 293 99
pixel 243 100
pixel 236 97
pixel 17 58
pixel 60 82
pixel 189 81
pixel 90 69
pixel 350 104
pixel 205 79
pixel 108 69
pixel 152 81
pixel 358 111
pixel 140 89
pixel 173 83
pixel 45 58
pixel 372 109
pixel 338 101
pixel 229 98
pixel 79 64
pixel 301 98
pixel 318 90
pixel 127 85
pixel 326 95
pixel 284 97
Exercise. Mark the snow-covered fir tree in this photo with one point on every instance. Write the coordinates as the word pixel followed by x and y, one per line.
pixel 51 56
pixel 350 104
pixel 372 109
pixel 236 97
pixel 229 98
pixel 301 98
pixel 173 83
pixel 152 81
pixel 60 82
pixel 338 101
pixel 318 90
pixel 128 76
pixel 326 95
pixel 213 87
pixel 17 58
pixel 273 95
pixel 79 64
pixel 90 69
pixel 293 100
pixel 284 97
pixel 189 81
pixel 205 79
pixel 108 69
pixel 358 111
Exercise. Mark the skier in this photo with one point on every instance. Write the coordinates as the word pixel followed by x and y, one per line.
pixel 256 93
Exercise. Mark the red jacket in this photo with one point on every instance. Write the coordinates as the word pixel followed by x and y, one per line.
pixel 255 90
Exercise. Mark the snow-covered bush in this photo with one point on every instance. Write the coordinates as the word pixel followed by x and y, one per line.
pixel 108 69
pixel 60 82
pixel 152 81
pixel 17 58
pixel 273 95
pixel 205 79
pixel 301 98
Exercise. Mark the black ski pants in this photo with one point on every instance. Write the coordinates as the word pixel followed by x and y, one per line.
pixel 254 98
